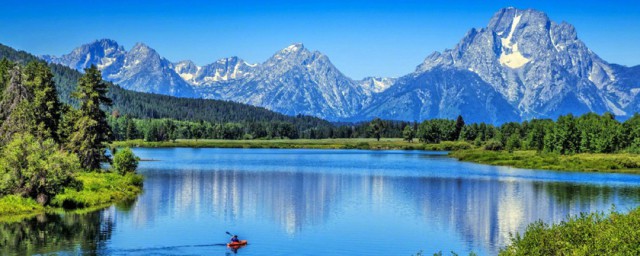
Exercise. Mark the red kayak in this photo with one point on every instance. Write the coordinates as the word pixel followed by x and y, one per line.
pixel 237 244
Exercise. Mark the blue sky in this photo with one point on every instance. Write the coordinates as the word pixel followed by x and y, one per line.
pixel 362 38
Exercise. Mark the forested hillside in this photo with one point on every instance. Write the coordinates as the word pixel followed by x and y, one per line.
pixel 146 105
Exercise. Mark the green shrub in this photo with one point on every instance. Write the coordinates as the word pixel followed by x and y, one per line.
pixel 586 234
pixel 99 189
pixel 15 204
pixel 37 169
pixel 494 145
pixel 124 161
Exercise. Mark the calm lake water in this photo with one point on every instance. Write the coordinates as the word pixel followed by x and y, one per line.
pixel 321 202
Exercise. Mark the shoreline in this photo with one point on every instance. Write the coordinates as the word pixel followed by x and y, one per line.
pixel 624 163
pixel 461 150
pixel 99 190
pixel 358 143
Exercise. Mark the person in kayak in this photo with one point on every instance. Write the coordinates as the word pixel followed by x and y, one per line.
pixel 234 239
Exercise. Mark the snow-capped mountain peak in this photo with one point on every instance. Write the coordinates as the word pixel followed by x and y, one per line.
pixel 520 66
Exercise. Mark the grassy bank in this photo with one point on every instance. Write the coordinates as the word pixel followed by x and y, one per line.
pixel 586 234
pixel 618 163
pixel 98 189
pixel 358 143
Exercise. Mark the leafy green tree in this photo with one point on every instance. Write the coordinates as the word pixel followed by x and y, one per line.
pixel 34 168
pixel 408 133
pixel 437 130
pixel 91 131
pixel 563 137
pixel 513 142
pixel 632 131
pixel 376 128
pixel 124 161
pixel 600 134
pixel 535 134
pixel 494 145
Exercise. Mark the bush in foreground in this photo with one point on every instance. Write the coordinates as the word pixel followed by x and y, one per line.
pixel 15 205
pixel 124 161
pixel 37 169
pixel 586 234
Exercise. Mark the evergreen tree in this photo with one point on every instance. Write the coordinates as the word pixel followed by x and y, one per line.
pixel 459 127
pixel 46 106
pixel 16 108
pixel 91 131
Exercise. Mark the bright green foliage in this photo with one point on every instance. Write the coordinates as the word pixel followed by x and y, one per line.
pixel 600 134
pixel 584 162
pixel 99 189
pixel 632 133
pixel 513 142
pixel 408 133
pixel 535 131
pixel 563 137
pixel 586 234
pixel 37 169
pixel 124 161
pixel 91 130
pixel 437 130
pixel 15 205
pixel 494 145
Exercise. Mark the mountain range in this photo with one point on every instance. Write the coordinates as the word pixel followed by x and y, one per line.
pixel 521 66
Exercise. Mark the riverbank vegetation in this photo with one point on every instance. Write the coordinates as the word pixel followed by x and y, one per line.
pixel 585 234
pixel 356 143
pixel 583 162
pixel 51 154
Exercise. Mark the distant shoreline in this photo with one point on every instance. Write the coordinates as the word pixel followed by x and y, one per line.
pixel 357 143
pixel 463 151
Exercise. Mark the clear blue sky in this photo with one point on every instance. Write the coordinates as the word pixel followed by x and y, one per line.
pixel 362 38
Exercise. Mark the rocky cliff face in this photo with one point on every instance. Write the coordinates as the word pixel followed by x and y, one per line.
pixel 540 67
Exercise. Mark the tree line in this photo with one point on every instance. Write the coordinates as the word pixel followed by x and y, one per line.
pixel 588 133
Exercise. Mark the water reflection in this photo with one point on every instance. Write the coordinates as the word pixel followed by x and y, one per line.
pixel 483 211
pixel 305 198
pixel 56 233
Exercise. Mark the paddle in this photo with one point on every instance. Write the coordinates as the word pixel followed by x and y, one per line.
pixel 229 233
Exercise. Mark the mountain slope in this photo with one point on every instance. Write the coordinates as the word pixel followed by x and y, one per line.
pixel 140 69
pixel 147 105
pixel 442 93
pixel 298 81
pixel 539 66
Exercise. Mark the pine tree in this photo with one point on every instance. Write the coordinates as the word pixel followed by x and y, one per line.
pixel 459 126
pixel 16 109
pixel 46 106
pixel 91 130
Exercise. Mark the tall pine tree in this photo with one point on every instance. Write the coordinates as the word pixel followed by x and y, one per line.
pixel 91 131
pixel 46 106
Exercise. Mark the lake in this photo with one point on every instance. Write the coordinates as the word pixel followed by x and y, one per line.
pixel 321 202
